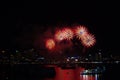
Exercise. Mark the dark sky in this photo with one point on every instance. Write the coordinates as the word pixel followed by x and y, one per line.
pixel 20 26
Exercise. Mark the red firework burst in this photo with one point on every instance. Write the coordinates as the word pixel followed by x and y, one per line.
pixel 81 31
pixel 68 33
pixel 59 35
pixel 88 40
pixel 50 44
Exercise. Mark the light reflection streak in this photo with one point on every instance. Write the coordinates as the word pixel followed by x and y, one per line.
pixel 73 74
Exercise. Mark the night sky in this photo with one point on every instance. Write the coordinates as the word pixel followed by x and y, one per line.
pixel 19 27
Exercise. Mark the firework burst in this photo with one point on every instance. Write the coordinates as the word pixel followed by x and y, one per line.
pixel 50 44
pixel 81 31
pixel 88 40
pixel 68 33
pixel 60 35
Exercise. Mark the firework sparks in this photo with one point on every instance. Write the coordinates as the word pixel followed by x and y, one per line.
pixel 50 44
pixel 88 40
pixel 81 31
pixel 59 35
pixel 68 33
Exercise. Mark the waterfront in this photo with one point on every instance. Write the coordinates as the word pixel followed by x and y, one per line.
pixel 40 72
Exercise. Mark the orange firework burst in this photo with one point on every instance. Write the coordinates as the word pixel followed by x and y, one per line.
pixel 88 40
pixel 50 44
pixel 59 35
pixel 81 31
pixel 68 33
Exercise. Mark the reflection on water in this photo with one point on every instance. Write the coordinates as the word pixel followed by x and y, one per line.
pixel 81 77
pixel 90 77
pixel 74 74
pixel 39 72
